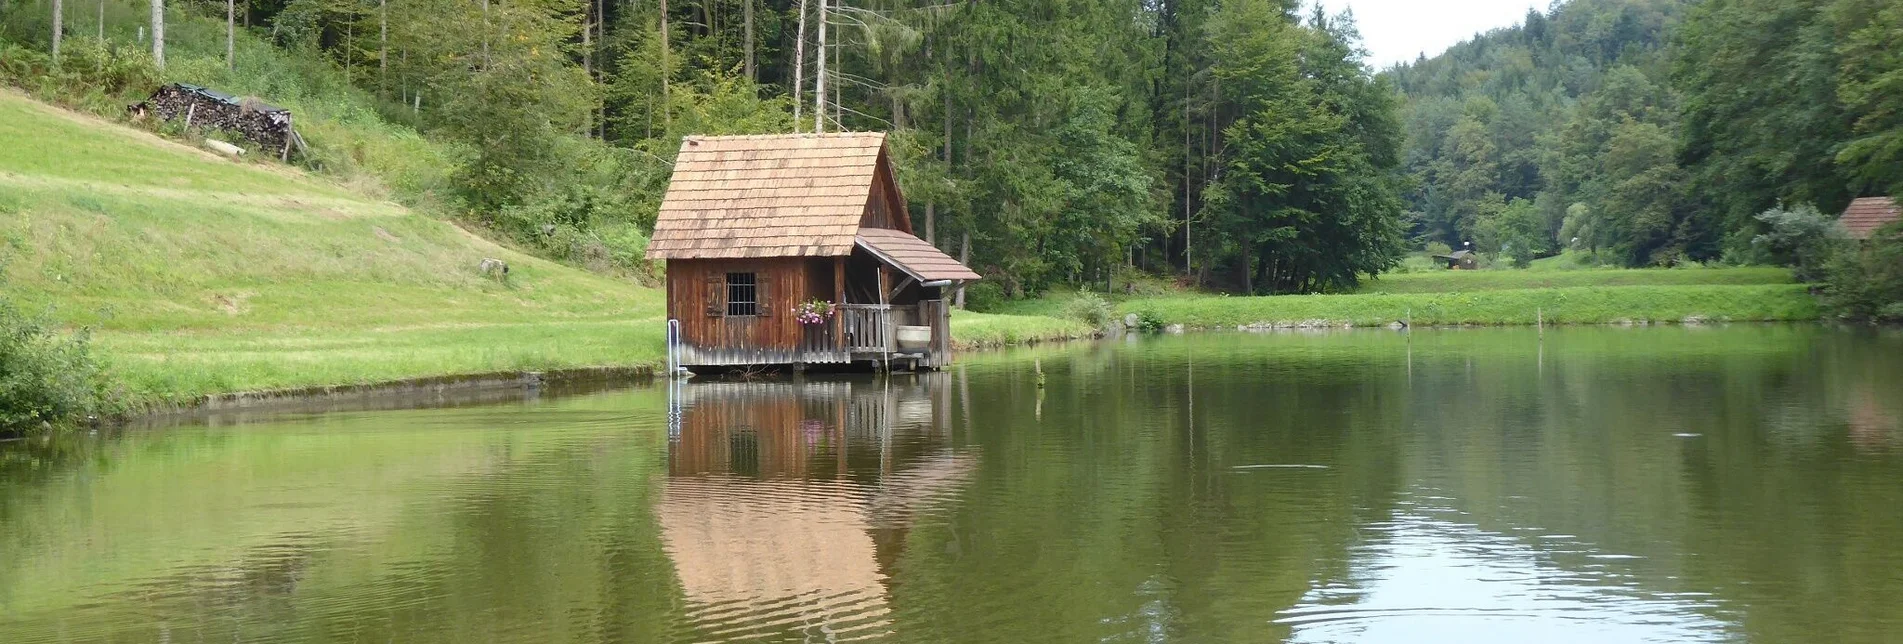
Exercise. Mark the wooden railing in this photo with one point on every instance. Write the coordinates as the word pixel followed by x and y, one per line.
pixel 867 327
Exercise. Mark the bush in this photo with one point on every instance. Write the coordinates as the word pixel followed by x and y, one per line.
pixel 92 74
pixel 985 297
pixel 45 377
pixel 1090 308
pixel 1866 285
pixel 1149 322
pixel 1801 238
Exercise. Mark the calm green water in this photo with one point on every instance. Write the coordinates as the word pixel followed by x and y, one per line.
pixel 1596 485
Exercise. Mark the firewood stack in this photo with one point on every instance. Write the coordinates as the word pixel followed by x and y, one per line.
pixel 261 123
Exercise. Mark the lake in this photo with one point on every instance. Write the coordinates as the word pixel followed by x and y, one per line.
pixel 1740 483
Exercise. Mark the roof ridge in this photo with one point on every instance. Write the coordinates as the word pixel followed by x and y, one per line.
pixel 788 135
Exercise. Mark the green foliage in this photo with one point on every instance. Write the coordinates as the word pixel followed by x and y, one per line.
pixel 1308 199
pixel 1513 230
pixel 93 75
pixel 985 297
pixel 1866 283
pixel 1800 238
pixel 1089 308
pixel 46 376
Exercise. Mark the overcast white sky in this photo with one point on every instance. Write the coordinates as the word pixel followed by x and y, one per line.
pixel 1398 30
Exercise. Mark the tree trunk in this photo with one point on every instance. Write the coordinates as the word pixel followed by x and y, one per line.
pixel 667 113
pixel 383 47
pixel 931 223
pixel 102 20
pixel 819 79
pixel 485 31
pixel 59 25
pixel 747 15
pixel 964 257
pixel 158 34
pixel 799 66
pixel 231 34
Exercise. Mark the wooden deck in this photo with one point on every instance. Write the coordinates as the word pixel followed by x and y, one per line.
pixel 858 333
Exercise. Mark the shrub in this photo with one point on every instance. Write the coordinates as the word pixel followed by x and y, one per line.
pixel 985 297
pixel 1801 238
pixel 1089 308
pixel 45 377
pixel 1149 322
pixel 1866 285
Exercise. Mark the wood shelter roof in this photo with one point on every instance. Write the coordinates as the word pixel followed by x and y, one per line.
pixel 792 195
pixel 918 259
pixel 1865 216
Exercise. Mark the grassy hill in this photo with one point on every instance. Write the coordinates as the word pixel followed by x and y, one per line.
pixel 201 274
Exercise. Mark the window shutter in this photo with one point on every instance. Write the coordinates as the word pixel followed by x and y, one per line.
pixel 716 295
pixel 763 302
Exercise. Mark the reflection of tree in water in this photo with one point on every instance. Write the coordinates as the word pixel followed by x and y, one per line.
pixel 788 502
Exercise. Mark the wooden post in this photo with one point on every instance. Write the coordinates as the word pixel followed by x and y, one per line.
pixel 839 297
pixel 885 314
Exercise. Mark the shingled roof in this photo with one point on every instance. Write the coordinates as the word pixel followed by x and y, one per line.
pixel 796 195
pixel 918 259
pixel 1865 216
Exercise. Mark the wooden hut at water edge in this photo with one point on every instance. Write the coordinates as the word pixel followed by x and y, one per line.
pixel 798 250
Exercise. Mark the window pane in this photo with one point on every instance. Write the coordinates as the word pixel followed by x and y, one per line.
pixel 742 294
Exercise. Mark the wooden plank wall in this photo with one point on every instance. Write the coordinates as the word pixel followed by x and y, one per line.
pixel 784 280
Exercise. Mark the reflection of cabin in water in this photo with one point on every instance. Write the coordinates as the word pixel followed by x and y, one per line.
pixel 752 227
pixel 787 503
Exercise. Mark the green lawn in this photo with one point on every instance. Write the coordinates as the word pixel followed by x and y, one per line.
pixel 1446 281
pixel 1568 305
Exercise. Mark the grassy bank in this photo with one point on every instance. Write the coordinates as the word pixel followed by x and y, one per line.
pixel 1444 281
pixel 200 275
pixel 1493 297
pixel 972 330
pixel 1572 305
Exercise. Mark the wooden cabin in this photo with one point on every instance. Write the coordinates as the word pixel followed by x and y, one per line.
pixel 753 227
pixel 1460 260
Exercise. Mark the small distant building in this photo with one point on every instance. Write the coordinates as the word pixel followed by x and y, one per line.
pixel 754 228
pixel 1865 216
pixel 1460 260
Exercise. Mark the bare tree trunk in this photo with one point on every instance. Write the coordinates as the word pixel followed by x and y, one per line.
pixel 158 34
pixel 819 79
pixel 964 257
pixel 102 20
pixel 747 15
pixel 59 26
pixel 667 113
pixel 799 66
pixel 383 47
pixel 231 34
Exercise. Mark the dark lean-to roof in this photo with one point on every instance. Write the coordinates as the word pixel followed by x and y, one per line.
pixel 1865 216
pixel 788 195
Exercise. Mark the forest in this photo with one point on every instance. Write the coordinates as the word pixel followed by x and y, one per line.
pixel 1239 145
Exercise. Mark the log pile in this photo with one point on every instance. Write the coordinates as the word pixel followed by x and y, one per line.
pixel 267 125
